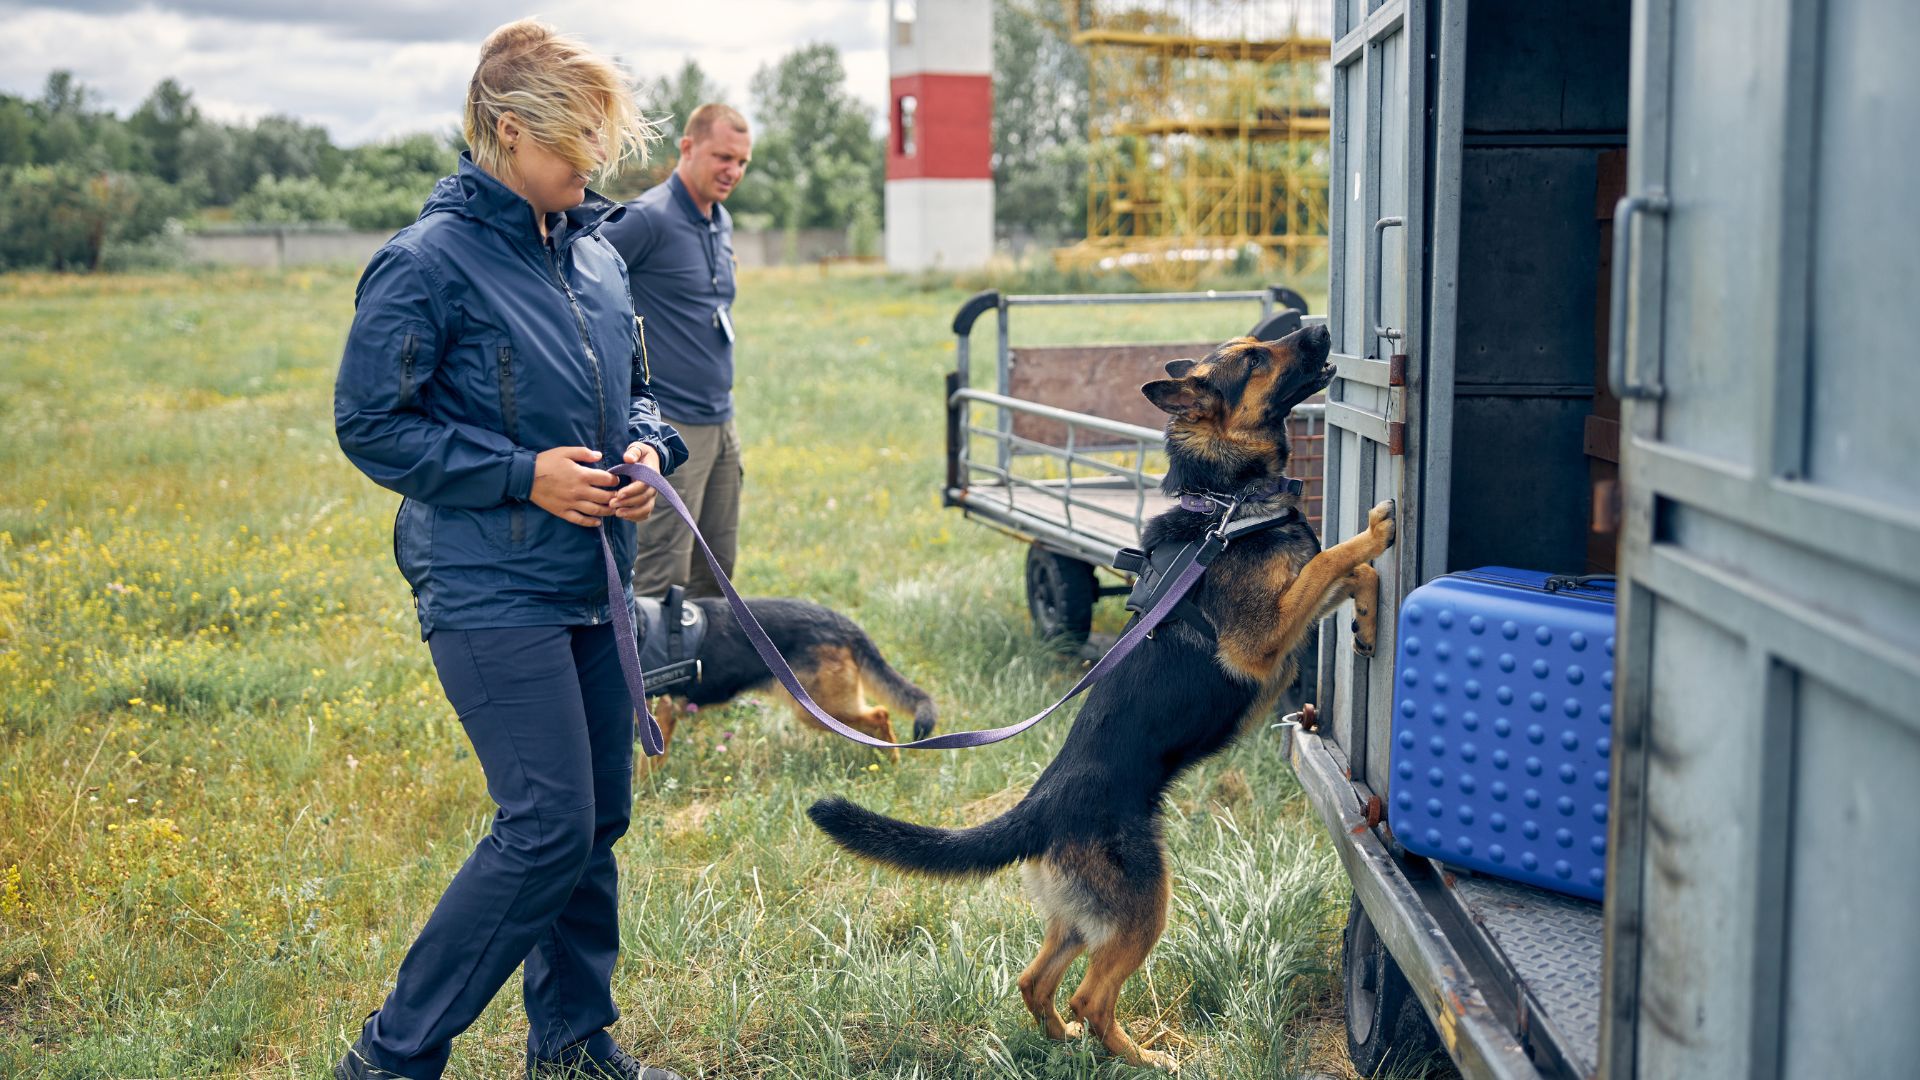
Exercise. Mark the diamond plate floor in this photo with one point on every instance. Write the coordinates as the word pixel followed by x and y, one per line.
pixel 1554 944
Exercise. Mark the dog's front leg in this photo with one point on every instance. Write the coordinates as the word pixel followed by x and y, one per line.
pixel 1329 577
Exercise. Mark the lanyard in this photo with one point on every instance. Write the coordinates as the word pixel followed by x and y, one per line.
pixel 713 262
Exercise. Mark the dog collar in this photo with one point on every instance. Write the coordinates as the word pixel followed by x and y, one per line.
pixel 1212 502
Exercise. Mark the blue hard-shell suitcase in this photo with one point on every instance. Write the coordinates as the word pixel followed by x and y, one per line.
pixel 1502 724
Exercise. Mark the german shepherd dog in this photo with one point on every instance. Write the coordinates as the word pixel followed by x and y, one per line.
pixel 1089 832
pixel 838 664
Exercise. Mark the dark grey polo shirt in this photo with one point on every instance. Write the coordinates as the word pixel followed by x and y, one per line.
pixel 681 266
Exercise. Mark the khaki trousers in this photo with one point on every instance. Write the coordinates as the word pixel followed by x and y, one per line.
pixel 709 483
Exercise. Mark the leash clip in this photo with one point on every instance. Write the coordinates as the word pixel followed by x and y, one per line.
pixel 1219 532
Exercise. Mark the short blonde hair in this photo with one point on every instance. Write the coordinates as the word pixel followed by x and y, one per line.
pixel 702 120
pixel 560 91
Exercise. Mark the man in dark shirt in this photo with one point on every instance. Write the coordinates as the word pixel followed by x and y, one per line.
pixel 678 243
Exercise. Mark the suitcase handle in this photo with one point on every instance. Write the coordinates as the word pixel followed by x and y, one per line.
pixel 1580 581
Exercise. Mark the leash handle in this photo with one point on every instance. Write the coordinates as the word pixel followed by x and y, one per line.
pixel 777 664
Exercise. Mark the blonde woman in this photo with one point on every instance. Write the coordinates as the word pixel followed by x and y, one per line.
pixel 491 377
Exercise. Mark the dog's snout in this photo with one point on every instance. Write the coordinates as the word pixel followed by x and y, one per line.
pixel 1315 342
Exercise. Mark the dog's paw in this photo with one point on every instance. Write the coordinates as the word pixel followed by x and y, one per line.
pixel 1362 639
pixel 1380 523
pixel 1073 1029
pixel 1159 1060
pixel 1364 627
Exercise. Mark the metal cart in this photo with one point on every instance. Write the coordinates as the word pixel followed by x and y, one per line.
pixel 1068 457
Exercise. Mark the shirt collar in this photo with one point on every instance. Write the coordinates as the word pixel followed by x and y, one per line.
pixel 685 198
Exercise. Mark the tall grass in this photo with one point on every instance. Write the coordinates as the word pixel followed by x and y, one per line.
pixel 230 789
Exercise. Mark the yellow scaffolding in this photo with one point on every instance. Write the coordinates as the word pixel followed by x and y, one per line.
pixel 1208 125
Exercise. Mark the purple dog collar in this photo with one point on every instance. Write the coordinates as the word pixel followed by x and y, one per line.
pixel 1210 503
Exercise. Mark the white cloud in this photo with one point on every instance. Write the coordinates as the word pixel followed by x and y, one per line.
pixel 369 69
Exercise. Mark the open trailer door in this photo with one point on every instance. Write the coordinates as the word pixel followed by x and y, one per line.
pixel 1759 905
pixel 1375 316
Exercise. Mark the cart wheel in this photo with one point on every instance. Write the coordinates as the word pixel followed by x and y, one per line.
pixel 1386 1028
pixel 1060 596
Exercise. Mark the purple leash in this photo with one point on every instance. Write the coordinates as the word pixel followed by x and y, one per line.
pixel 654 744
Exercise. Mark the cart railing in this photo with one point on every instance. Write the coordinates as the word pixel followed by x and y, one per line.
pixel 1105 486
pixel 1067 491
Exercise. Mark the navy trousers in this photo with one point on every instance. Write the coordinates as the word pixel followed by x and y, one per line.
pixel 551 721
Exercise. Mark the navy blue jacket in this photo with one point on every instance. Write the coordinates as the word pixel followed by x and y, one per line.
pixel 474 347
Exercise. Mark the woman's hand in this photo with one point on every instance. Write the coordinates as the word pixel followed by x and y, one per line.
pixel 635 501
pixel 570 491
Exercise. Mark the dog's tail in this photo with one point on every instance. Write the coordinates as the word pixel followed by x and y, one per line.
pixel 1016 834
pixel 905 696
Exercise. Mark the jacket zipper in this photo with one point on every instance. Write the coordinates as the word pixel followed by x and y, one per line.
pixel 593 360
pixel 406 368
pixel 510 419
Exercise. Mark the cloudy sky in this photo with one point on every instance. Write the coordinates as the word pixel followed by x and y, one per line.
pixel 367 69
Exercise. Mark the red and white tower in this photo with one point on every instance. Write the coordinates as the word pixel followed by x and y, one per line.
pixel 940 135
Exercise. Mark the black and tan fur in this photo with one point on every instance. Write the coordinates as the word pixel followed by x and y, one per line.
pixel 836 661
pixel 1089 830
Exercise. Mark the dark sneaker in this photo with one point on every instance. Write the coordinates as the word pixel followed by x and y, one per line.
pixel 575 1063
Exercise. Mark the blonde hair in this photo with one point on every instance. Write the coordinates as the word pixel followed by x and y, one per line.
pixel 561 92
pixel 702 120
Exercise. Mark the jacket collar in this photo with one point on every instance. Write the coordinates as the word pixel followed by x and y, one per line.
pixel 494 203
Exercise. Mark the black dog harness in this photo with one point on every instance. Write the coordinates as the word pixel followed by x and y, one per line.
pixel 671 631
pixel 1159 566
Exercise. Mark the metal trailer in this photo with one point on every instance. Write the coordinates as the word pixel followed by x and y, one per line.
pixel 1732 330
pixel 1067 461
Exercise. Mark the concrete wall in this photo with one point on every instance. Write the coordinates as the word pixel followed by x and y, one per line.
pixel 274 248
pixel 770 248
pixel 270 248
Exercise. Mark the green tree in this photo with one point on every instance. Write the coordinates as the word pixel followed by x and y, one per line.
pixel 413 161
pixel 66 216
pixel 163 120
pixel 1039 123
pixel 284 147
pixel 211 170
pixel 670 100
pixel 17 126
pixel 64 129
pixel 817 161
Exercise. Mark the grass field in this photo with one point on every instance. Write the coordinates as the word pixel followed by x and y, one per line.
pixel 230 788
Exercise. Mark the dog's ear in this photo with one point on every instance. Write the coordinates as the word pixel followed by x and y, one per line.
pixel 1182 398
pixel 1178 368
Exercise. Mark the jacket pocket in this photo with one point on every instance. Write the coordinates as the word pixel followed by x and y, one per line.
pixel 412 541
pixel 459 670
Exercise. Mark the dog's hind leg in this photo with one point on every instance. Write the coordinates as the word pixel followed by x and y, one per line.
pixel 666 712
pixel 834 684
pixel 1112 964
pixel 1041 981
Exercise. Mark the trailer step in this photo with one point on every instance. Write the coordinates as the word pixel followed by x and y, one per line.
pixel 1553 944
